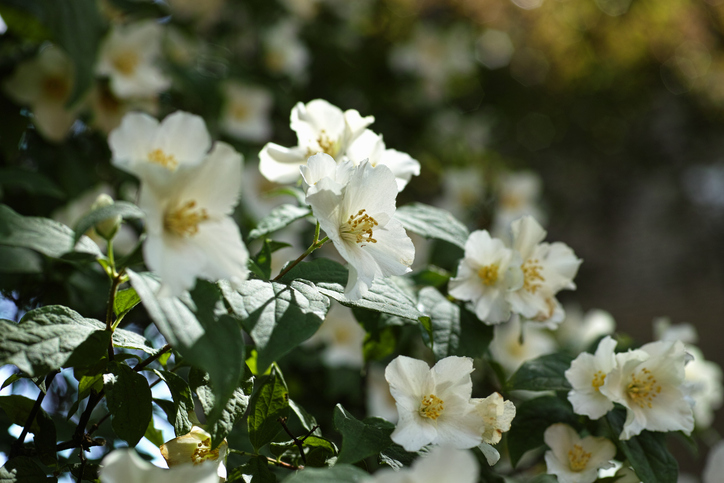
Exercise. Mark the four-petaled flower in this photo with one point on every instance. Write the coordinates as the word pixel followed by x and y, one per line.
pixel 587 374
pixel 574 459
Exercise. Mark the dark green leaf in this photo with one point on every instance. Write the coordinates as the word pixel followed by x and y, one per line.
pixel 532 417
pixel 124 302
pixel 19 260
pixel 278 317
pixel 77 26
pixel 15 377
pixel 361 439
pixel 647 453
pixel 455 332
pixel 232 411
pixel 257 467
pixel 432 222
pixel 431 277
pixel 23 469
pixel 379 344
pixel 154 435
pixel 91 350
pixel 277 219
pixel 395 456
pixel 200 331
pixel 129 402
pixel 546 373
pixel 330 278
pixel 32 182
pixel 307 420
pixel 42 235
pixel 183 401
pixel 125 210
pixel 270 402
pixel 18 409
pixel 261 264
pixel 340 473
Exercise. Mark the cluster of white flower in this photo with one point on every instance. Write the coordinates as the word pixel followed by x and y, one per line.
pixel 188 192
pixel 648 382
pixel 435 407
pixel 574 459
pixel 324 128
pixel 523 278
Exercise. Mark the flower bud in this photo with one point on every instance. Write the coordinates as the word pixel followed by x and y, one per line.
pixel 108 227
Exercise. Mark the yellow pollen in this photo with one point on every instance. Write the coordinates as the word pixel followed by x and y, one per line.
pixel 532 275
pixel 168 161
pixel 126 62
pixel 598 379
pixel 358 228
pixel 184 221
pixel 489 274
pixel 55 88
pixel 326 145
pixel 240 112
pixel 203 452
pixel 643 389
pixel 577 458
pixel 431 407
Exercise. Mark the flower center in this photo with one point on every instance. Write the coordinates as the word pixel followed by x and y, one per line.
pixel 489 274
pixel 240 111
pixel 577 458
pixel 358 228
pixel 326 145
pixel 643 389
pixel 598 380
pixel 203 452
pixel 184 221
pixel 532 275
pixel 126 62
pixel 55 88
pixel 168 161
pixel 431 407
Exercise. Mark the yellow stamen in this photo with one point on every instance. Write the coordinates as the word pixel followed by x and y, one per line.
pixel 56 88
pixel 532 275
pixel 598 380
pixel 431 407
pixel 489 274
pixel 184 221
pixel 126 62
pixel 358 228
pixel 577 458
pixel 642 390
pixel 168 161
pixel 203 452
pixel 326 145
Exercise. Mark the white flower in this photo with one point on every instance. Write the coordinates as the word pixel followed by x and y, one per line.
pixel 514 343
pixel 195 448
pixel 45 83
pixel 703 384
pixel 129 58
pixel 124 466
pixel 245 114
pixel 190 231
pixel 109 110
pixel 322 165
pixel 441 465
pixel 547 269
pixel 574 459
pixel 517 195
pixel 343 337
pixel 462 190
pixel 153 151
pixel 370 146
pixel 358 218
pixel 434 404
pixel 497 415
pixel 486 275
pixel 714 469
pixel 284 53
pixel 586 375
pixel 578 330
pixel 648 383
pixel 204 13
pixel 380 402
pixel 321 128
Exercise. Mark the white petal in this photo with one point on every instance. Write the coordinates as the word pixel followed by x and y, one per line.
pixel 280 164
pixel 131 141
pixel 527 233
pixel 184 136
pixel 445 464
pixel 491 454
pixel 225 253
pixel 402 165
pixel 215 185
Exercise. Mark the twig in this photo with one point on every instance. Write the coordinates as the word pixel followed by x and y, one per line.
pixel 279 463
pixel 304 255
pixel 33 414
pixel 151 359
pixel 298 442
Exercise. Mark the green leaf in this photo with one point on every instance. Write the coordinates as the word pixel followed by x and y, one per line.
pixel 455 331
pixel 183 401
pixel 336 474
pixel 154 435
pixel 231 411
pixel 277 219
pixel 257 467
pixel 42 235
pixel 45 339
pixel 532 417
pixel 125 210
pixel 432 276
pixel 270 402
pixel 647 453
pixel 432 222
pixel 23 469
pixel 278 317
pixel 18 409
pixel 379 344
pixel 124 302
pixel 19 260
pixel 91 350
pixel 77 26
pixel 199 329
pixel 32 182
pixel 546 373
pixel 361 439
pixel 330 279
pixel 261 264
pixel 129 401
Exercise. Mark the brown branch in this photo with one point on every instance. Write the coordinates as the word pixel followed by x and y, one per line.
pixel 33 414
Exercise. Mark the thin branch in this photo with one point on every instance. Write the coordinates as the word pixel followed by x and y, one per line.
pixel 304 255
pixel 298 442
pixel 273 461
pixel 151 359
pixel 33 413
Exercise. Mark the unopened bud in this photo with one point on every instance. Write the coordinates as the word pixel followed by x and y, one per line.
pixel 108 227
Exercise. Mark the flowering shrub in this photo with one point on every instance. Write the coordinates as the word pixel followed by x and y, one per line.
pixel 236 304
